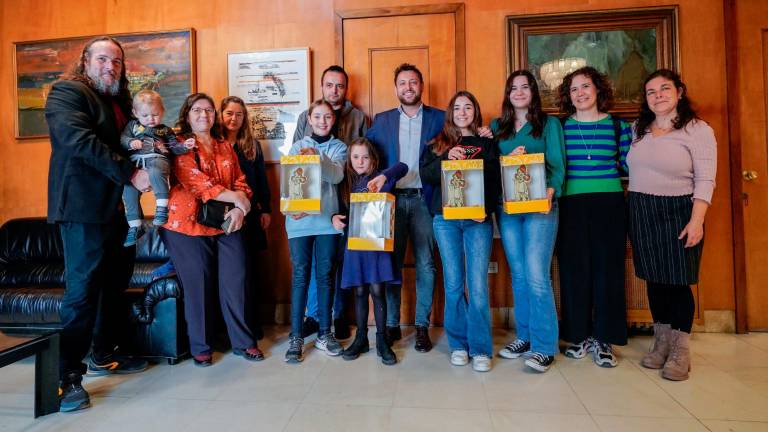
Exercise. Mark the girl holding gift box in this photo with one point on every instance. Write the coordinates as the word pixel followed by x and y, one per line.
pixel 367 271
pixel 310 235
pixel 529 238
pixel 465 244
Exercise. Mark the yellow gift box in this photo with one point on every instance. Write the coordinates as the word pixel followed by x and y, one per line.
pixel 524 189
pixel 300 184
pixel 463 189
pixel 371 222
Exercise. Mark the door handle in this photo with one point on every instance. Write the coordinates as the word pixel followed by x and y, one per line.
pixel 749 175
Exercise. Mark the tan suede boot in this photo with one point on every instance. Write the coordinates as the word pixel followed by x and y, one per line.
pixel 679 361
pixel 656 358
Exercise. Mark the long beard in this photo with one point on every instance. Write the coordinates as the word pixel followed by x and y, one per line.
pixel 106 89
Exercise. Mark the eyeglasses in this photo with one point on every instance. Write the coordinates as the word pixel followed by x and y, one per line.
pixel 198 111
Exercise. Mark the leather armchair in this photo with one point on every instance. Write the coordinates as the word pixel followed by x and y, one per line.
pixel 32 286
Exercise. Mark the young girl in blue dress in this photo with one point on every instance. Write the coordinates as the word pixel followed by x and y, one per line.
pixel 367 271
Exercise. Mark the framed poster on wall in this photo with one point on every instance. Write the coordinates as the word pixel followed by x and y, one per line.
pixel 161 61
pixel 625 44
pixel 274 84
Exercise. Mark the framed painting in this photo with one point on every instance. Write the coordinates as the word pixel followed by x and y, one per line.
pixel 274 84
pixel 625 44
pixel 162 61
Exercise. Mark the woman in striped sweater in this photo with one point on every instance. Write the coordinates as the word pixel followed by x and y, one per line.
pixel 592 236
pixel 672 164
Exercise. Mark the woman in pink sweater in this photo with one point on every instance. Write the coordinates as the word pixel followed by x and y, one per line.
pixel 672 164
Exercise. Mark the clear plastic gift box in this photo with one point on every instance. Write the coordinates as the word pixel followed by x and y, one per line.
pixel 463 189
pixel 524 183
pixel 371 222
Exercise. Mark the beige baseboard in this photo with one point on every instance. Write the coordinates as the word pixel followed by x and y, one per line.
pixel 716 321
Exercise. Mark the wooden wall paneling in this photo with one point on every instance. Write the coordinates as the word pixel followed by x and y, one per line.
pixel 228 25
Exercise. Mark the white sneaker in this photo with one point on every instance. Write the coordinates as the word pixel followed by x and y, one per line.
pixel 481 363
pixel 459 358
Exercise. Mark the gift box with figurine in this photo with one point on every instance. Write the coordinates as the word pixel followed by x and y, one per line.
pixel 300 184
pixel 524 183
pixel 463 189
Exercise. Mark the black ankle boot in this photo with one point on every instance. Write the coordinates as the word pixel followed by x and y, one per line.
pixel 384 351
pixel 359 345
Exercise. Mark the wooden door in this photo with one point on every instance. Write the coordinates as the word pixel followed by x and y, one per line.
pixel 747 66
pixel 373 47
pixel 754 177
pixel 372 43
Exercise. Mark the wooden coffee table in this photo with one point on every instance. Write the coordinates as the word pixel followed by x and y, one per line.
pixel 20 343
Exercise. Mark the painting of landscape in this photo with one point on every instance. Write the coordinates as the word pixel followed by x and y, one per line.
pixel 162 61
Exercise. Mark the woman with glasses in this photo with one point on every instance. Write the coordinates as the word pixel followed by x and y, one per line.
pixel 204 256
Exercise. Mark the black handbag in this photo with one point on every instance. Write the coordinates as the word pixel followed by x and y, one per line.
pixel 212 212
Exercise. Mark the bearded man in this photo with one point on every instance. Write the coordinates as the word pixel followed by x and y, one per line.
pixel 86 111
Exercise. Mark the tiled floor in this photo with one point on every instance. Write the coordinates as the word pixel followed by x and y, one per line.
pixel 728 391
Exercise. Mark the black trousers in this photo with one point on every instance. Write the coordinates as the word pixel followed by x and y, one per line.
pixel 255 241
pixel 590 251
pixel 98 269
pixel 672 304
pixel 201 263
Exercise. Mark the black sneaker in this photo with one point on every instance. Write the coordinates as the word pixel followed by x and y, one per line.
pixel 115 364
pixel 72 395
pixel 515 349
pixel 295 345
pixel 539 362
pixel 309 327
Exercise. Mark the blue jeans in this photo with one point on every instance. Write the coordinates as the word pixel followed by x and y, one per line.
pixel 158 169
pixel 529 240
pixel 303 249
pixel 412 218
pixel 340 296
pixel 465 248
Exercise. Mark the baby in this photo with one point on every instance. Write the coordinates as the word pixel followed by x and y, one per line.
pixel 150 144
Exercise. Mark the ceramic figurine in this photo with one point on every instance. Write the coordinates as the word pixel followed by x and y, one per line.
pixel 522 184
pixel 297 181
pixel 456 190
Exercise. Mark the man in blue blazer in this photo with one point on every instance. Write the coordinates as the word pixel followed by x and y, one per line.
pixel 401 135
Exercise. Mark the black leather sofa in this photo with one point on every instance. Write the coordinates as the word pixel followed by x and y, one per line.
pixel 32 285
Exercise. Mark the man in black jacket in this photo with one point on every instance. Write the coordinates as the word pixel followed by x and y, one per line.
pixel 86 111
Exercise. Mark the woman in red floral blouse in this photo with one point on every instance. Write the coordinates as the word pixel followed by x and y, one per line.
pixel 205 256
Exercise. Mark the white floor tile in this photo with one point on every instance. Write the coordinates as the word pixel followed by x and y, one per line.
pixel 508 421
pixel 645 424
pixel 339 418
pixel 620 391
pixel 735 426
pixel 727 391
pixel 440 420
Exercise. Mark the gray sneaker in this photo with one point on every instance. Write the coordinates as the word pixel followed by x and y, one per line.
pixel 329 344
pixel 580 350
pixel 294 354
pixel 603 355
